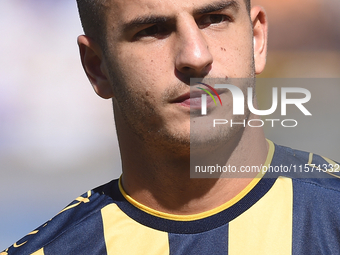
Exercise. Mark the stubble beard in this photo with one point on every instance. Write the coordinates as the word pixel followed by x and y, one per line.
pixel 141 118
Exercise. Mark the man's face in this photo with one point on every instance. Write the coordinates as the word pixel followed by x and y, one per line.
pixel 154 47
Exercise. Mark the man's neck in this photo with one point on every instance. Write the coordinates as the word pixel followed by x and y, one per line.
pixel 161 179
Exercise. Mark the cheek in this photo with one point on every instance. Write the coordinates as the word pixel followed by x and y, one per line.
pixel 138 80
pixel 146 69
pixel 233 53
pixel 147 74
pixel 235 62
pixel 145 59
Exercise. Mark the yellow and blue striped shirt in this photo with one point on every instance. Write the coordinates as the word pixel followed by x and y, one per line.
pixel 277 214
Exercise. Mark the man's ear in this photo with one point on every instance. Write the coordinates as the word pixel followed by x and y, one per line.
pixel 94 65
pixel 260 30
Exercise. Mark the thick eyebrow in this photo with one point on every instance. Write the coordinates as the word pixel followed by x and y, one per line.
pixel 218 6
pixel 144 20
pixel 151 19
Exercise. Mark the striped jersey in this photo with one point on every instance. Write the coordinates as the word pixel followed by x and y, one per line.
pixel 283 213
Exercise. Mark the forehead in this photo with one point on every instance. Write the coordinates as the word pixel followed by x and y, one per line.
pixel 120 11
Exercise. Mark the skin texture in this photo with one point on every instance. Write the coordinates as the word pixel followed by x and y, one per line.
pixel 152 50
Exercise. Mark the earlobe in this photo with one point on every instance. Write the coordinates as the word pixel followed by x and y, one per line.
pixel 94 66
pixel 260 33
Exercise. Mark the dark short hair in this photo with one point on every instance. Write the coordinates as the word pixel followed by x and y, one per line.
pixel 248 5
pixel 92 16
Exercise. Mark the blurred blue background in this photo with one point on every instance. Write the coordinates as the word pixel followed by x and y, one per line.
pixel 57 138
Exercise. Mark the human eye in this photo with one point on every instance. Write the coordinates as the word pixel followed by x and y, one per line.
pixel 213 19
pixel 156 30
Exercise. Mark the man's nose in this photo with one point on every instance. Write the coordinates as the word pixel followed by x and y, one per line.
pixel 193 56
